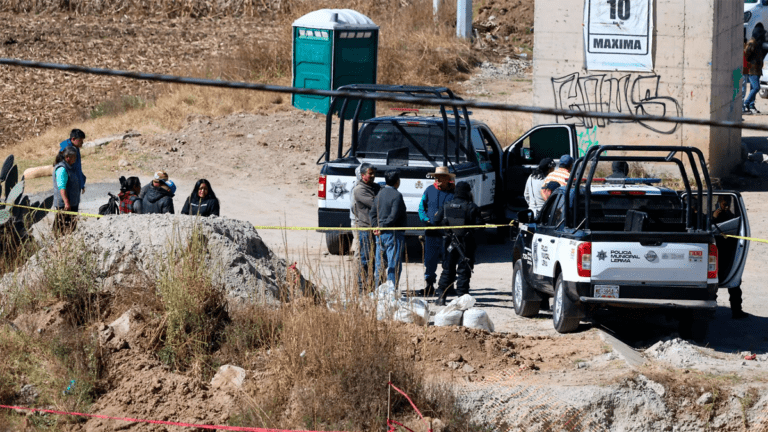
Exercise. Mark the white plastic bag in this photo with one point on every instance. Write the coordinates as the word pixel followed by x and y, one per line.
pixel 477 319
pixel 412 311
pixel 449 316
pixel 461 303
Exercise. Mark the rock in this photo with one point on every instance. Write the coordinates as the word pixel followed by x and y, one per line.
pixel 706 398
pixel 106 336
pixel 27 395
pixel 455 357
pixel 122 325
pixel 129 249
pixel 228 377
pixel 581 365
pixel 454 365
pixel 123 163
pixel 467 369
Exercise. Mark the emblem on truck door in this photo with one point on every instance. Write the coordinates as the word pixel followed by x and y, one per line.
pixel 602 255
pixel 651 256
pixel 338 189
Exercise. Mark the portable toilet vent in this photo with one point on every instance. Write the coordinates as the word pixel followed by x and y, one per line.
pixel 332 48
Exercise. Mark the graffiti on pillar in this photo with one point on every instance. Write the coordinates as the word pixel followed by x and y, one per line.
pixel 736 82
pixel 587 139
pixel 627 94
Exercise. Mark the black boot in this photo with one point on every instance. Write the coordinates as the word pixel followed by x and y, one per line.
pixel 428 291
pixel 738 314
pixel 440 301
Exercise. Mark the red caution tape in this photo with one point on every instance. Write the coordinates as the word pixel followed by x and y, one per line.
pixel 133 420
pixel 429 428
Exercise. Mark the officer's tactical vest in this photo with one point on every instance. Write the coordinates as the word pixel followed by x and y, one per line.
pixel 457 215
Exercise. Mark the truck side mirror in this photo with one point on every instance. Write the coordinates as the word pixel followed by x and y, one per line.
pixel 525 216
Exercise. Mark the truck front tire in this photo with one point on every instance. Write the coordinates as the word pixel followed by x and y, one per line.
pixel 338 243
pixel 565 314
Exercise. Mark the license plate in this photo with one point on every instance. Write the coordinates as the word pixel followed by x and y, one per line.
pixel 606 291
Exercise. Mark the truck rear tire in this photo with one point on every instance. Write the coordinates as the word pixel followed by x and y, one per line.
pixel 565 314
pixel 693 327
pixel 522 290
pixel 338 243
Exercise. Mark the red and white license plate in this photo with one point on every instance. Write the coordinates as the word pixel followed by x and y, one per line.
pixel 606 291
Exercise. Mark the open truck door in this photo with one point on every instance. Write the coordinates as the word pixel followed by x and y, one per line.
pixel 729 216
pixel 524 155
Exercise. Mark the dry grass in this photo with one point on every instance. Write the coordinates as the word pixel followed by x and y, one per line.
pixel 194 301
pixel 414 49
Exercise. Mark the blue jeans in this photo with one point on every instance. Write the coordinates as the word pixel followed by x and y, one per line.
pixel 367 248
pixel 433 248
pixel 754 87
pixel 390 247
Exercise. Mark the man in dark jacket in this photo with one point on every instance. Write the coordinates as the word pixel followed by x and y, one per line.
pixel 460 245
pixel 76 138
pixel 66 185
pixel 620 170
pixel 363 195
pixel 159 199
pixel 434 198
pixel 388 211
pixel 754 54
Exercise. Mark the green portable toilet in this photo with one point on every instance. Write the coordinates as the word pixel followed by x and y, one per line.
pixel 332 48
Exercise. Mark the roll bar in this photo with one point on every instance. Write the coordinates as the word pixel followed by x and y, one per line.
pixel 598 153
pixel 413 91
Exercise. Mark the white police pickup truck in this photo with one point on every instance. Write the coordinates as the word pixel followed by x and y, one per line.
pixel 630 243
pixel 415 141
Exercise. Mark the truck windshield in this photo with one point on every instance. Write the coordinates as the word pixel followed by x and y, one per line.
pixel 609 212
pixel 420 141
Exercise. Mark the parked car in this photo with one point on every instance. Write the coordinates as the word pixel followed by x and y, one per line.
pixel 629 244
pixel 415 141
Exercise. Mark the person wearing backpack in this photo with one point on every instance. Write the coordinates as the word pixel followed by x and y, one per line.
pixel 459 244
pixel 129 196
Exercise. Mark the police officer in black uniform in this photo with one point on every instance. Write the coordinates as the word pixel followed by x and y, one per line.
pixel 459 244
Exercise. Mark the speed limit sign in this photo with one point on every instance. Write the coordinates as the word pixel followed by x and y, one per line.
pixel 617 34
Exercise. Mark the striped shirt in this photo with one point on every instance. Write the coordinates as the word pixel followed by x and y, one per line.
pixel 559 175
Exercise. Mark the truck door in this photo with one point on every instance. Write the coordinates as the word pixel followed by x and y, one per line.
pixel 545 241
pixel 520 158
pixel 729 216
pixel 485 157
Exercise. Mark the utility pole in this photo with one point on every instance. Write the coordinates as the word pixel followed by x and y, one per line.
pixel 464 19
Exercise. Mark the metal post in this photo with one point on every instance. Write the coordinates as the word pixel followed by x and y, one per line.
pixel 464 19
pixel 435 8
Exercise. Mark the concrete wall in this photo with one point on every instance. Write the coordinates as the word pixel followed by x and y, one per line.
pixel 697 62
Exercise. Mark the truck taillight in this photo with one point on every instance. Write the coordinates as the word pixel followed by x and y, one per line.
pixel 584 259
pixel 712 265
pixel 321 187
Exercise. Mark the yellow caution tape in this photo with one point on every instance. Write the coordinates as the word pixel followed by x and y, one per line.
pixel 279 227
pixel 745 238
pixel 53 210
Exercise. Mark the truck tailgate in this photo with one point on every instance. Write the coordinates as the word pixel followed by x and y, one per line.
pixel 670 263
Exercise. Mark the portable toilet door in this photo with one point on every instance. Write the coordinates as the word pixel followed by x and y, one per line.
pixel 332 48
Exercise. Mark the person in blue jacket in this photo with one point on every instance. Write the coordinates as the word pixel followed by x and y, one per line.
pixel 76 138
pixel 434 198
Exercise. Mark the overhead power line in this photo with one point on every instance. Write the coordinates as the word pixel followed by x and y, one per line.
pixel 380 96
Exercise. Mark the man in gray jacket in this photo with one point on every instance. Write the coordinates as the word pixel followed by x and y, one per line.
pixel 363 195
pixel 388 211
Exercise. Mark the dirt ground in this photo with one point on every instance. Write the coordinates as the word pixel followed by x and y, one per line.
pixel 262 167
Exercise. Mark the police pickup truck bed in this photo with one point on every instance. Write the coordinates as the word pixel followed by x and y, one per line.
pixel 415 141
pixel 628 243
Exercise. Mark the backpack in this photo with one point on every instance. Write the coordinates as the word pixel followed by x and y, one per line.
pixel 111 207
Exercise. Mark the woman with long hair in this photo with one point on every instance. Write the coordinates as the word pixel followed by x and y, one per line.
pixel 534 183
pixel 202 201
